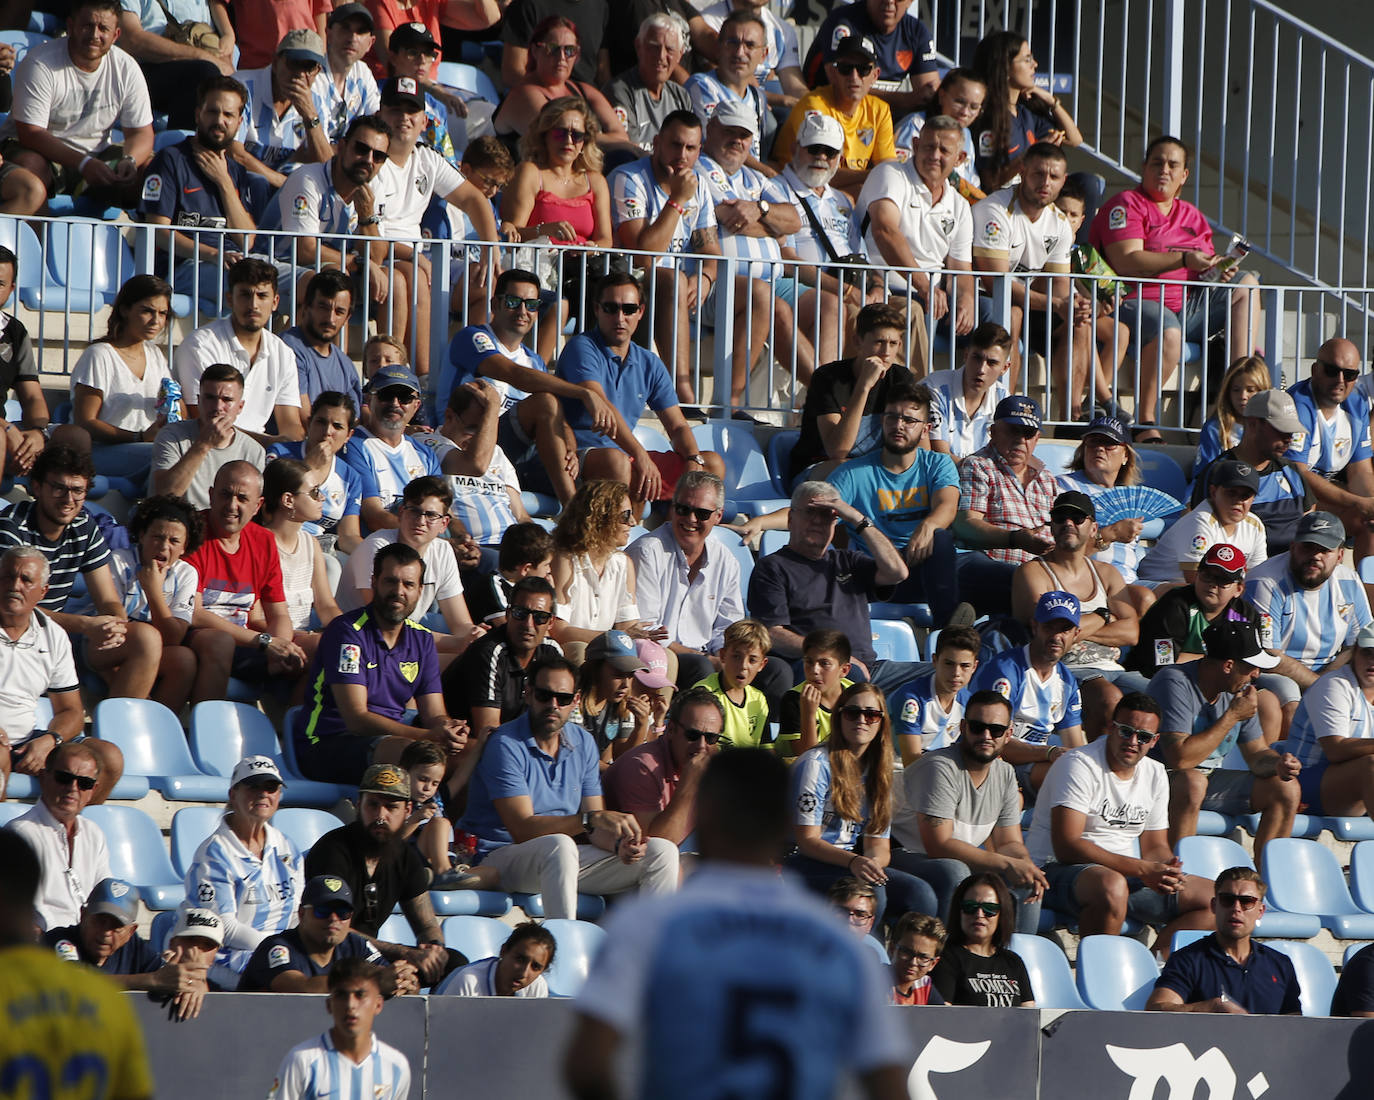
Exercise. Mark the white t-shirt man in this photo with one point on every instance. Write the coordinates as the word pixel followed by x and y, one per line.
pixel 78 107
pixel 441 573
pixel 269 378
pixel 1118 810
pixel 39 662
pixel 936 230
pixel 409 189
pixel 1002 230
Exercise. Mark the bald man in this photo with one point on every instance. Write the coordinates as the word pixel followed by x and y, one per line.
pixel 239 567
pixel 1333 451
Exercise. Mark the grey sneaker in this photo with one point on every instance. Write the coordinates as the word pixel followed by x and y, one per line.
pixel 455 880
pixel 963 615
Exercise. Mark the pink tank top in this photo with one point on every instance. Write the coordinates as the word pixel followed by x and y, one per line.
pixel 576 211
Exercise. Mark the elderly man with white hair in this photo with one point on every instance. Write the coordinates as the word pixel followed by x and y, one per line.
pixel 645 95
pixel 811 585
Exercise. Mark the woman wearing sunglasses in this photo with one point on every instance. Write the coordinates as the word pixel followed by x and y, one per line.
pixel 976 967
pixel 291 498
pixel 842 808
pixel 247 870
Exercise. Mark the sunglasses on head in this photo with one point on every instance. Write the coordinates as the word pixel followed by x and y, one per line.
pixel 363 149
pixel 865 714
pixel 989 908
pixel 849 68
pixel 629 309
pixel 701 514
pixel 66 779
pixel 1128 733
pixel 520 614
pixel 699 735
pixel 1332 371
pixel 1226 900
pixel 324 912
pixel 567 133
pixel 513 302
pixel 548 695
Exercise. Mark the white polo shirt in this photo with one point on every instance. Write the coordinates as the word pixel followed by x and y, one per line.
pixel 39 662
pixel 69 874
pixel 1002 230
pixel 270 379
pixel 410 187
pixel 936 231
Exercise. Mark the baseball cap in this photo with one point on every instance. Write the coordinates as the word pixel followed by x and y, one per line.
pixel 324 889
pixel 1277 409
pixel 1113 427
pixel 387 780
pixel 818 128
pixel 115 897
pixel 1022 411
pixel 402 91
pixel 737 114
pixel 1074 501
pixel 618 648
pixel 1057 605
pixel 394 374
pixel 852 46
pixel 409 35
pixel 1224 556
pixel 1365 638
pixel 1230 474
pixel 1227 640
pixel 655 657
pixel 351 11
pixel 302 45
pixel 1321 529
pixel 201 923
pixel 255 767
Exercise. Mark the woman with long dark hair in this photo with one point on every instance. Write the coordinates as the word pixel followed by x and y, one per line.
pixel 976 966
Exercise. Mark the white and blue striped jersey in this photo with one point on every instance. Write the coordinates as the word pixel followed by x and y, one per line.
pixel 708 93
pixel 752 186
pixel 905 133
pixel 316 1070
pixel 343 489
pixel 384 470
pixel 916 709
pixel 478 979
pixel 950 419
pixel 834 212
pixel 742 984
pixel 482 504
pixel 254 897
pixel 337 109
pixel 1309 625
pixel 635 195
pixel 272 140
pixel 1329 446
pixel 1039 707
pixel 1124 556
pixel 813 805
pixel 1332 707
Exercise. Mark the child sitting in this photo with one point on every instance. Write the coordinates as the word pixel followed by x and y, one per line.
pixel 926 711
pixel 745 649
pixel 429 829
pixel 804 720
pixel 917 942
pixel 525 550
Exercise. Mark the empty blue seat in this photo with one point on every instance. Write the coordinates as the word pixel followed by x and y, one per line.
pixel 578 942
pixel 396 929
pixel 303 825
pixel 88 261
pixel 1350 952
pixel 154 746
pixel 589 906
pixel 918 613
pixel 469 79
pixel 746 470
pixel 24 41
pixel 1353 829
pixel 1305 826
pixel 894 640
pixel 1050 976
pixel 780 446
pixel 1115 972
pixel 770 542
pixel 741 552
pixel 1184 936
pixel 1055 455
pixel 1208 856
pixel 10 810
pixel 1362 875
pixel 191 825
pixel 651 439
pixel 476 937
pixel 1316 979
pixel 457 903
pixel 1211 823
pixel 138 854
pixel 1161 472
pixel 223 733
pixel 1304 877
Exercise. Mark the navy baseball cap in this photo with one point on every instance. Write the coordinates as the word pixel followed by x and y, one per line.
pixel 351 11
pixel 1230 474
pixel 1022 411
pixel 115 897
pixel 1113 427
pixel 1058 605
pixel 1074 501
pixel 394 374
pixel 327 890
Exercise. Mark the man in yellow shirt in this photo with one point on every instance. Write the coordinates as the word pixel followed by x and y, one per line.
pixel 852 69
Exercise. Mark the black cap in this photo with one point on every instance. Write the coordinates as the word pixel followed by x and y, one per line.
pixel 1228 640
pixel 402 91
pixel 1230 474
pixel 1074 501
pixel 855 47
pixel 351 11
pixel 409 35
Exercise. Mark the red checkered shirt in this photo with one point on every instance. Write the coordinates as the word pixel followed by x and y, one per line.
pixel 987 485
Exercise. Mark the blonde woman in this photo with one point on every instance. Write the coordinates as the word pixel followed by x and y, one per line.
pixel 1246 377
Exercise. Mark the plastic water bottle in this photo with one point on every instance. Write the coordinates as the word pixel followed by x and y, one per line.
pixel 168 400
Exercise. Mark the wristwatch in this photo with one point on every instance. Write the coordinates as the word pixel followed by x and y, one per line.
pixel 371 219
pixel 311 123
pixel 764 208
pixel 863 525
pixel 264 640
pixel 587 820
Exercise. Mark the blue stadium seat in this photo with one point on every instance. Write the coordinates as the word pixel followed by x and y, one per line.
pixel 1184 936
pixel 469 79
pixel 476 937
pixel 1305 826
pixel 223 732
pixel 161 929
pixel 1352 829
pixel 746 470
pixel 1157 469
pixel 1055 455
pixel 1366 567
pixel 154 746
pixel 651 439
pixel 742 554
pixel 24 41
pixel 540 505
pixel 894 640
pixel 291 771
pixel 780 446
pixel 770 542
pixel 1316 979
pixel 45 22
pixel 589 906
pixel 88 261
pixel 10 810
pixel 878 948
pixel 459 903
pixel 190 826
pixel 1304 877
pixel 918 613
pixel 1350 952
pixel 578 942
pixel 1208 856
pixel 1050 976
pixel 138 854
pixel 163 138
pixel 1362 875
pixel 396 929
pixel 1115 972
pixel 303 825
pixel 1211 823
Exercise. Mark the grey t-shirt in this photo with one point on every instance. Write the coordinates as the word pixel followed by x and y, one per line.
pixel 938 785
pixel 1175 689
pixel 642 114
pixel 175 440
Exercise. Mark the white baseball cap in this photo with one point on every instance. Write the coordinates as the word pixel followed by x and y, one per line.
pixel 818 128
pixel 255 767
pixel 203 924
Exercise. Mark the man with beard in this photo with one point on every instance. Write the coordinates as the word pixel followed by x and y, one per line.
pixel 382 870
pixel 194 184
pixel 321 365
pixel 369 665
pixel 1208 707
pixel 1311 606
pixel 384 456
pixel 911 494
pixel 962 813
pixel 1041 690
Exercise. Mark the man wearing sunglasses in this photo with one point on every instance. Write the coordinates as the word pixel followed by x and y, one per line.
pixel 1209 707
pixel 536 808
pixel 904 47
pixel 1229 971
pixel 385 456
pixel 282 128
pixel 1100 832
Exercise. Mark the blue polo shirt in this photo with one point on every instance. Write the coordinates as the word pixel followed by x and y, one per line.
pixel 352 651
pixel 176 188
pixel 1266 984
pixel 319 374
pixel 134 957
pixel 638 380
pixel 513 764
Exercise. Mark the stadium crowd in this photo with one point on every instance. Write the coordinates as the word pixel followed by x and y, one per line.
pixel 529 704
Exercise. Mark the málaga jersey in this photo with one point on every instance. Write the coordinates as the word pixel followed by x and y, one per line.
pixel 1334 706
pixel 1311 625
pixel 916 710
pixel 1329 446
pixel 316 1070
pixel 1039 707
pixel 742 985
pixel 812 804
pixel 68 1034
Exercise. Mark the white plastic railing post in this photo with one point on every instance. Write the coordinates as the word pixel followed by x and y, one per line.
pixel 1173 66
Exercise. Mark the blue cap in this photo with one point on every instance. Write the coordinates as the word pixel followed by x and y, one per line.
pixel 327 889
pixel 116 897
pixel 1057 605
pixel 1018 410
pixel 394 374
pixel 618 649
pixel 1113 427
